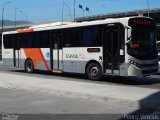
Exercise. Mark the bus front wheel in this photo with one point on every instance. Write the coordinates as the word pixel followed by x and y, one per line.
pixel 94 71
pixel 29 66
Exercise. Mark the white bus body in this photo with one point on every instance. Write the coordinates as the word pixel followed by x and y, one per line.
pixel 102 47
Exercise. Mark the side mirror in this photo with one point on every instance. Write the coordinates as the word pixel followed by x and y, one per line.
pixel 129 29
pixel 158 46
pixel 158 49
pixel 128 42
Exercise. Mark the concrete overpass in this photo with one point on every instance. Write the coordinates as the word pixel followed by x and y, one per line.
pixel 153 13
pixel 12 27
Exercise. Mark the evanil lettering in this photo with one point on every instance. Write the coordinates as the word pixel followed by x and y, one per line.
pixel 71 56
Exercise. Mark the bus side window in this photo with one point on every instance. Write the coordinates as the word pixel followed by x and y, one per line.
pixel 66 40
pixel 27 41
pixel 55 44
pixel 17 40
pixel 59 40
pixel 92 36
pixel 8 41
pixel 73 38
pixel 87 37
pixel 44 38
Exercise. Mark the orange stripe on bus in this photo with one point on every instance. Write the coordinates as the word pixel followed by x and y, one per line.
pixel 45 62
pixel 33 53
pixel 25 30
pixel 36 55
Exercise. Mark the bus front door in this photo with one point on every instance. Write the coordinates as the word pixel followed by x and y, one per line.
pixel 56 52
pixel 16 51
pixel 111 49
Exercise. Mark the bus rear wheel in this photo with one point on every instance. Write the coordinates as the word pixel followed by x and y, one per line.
pixel 94 71
pixel 29 66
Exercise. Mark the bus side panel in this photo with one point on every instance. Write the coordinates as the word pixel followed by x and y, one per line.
pixel 84 57
pixel 76 59
pixel 23 58
pixel 46 61
pixel 7 57
pixel 40 57
pixel 58 59
pixel 69 60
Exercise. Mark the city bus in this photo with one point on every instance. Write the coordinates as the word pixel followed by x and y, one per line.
pixel 115 46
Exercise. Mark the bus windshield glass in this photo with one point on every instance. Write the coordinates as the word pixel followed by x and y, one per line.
pixel 142 44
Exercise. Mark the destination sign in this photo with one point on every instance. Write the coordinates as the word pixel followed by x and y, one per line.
pixel 141 22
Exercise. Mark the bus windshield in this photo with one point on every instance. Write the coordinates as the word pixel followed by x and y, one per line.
pixel 142 44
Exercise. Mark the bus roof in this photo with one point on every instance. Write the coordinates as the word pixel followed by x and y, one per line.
pixel 62 25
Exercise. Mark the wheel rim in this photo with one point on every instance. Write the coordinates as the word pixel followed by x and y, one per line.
pixel 29 66
pixel 94 72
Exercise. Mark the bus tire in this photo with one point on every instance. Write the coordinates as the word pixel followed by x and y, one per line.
pixel 29 66
pixel 94 71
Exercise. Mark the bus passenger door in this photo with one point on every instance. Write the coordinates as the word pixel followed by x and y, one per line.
pixel 56 51
pixel 16 50
pixel 111 49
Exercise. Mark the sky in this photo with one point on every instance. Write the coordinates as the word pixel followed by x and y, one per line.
pixel 39 11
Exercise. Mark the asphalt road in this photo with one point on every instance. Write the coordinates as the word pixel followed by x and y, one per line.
pixel 26 102
pixel 45 106
pixel 152 81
